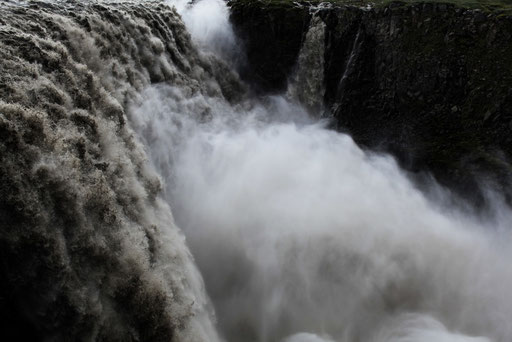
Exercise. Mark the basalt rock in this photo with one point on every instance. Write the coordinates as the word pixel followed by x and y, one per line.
pixel 273 37
pixel 430 83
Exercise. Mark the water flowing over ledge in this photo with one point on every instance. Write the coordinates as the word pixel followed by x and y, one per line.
pixel 89 250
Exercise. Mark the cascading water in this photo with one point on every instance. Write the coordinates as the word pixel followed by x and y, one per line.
pixel 300 236
pixel 89 250
pixel 307 84
pixel 349 66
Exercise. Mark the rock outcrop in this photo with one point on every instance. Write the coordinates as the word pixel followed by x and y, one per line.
pixel 272 38
pixel 430 83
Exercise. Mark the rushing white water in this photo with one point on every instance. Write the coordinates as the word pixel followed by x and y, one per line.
pixel 208 24
pixel 303 237
pixel 89 250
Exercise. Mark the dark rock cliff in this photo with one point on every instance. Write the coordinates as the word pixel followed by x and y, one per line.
pixel 273 38
pixel 430 83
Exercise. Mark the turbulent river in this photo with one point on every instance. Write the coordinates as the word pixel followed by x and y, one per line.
pixel 295 233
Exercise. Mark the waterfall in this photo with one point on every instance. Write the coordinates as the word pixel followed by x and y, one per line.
pixel 147 196
pixel 350 64
pixel 307 84
pixel 89 249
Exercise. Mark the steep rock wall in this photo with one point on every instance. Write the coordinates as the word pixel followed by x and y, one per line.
pixel 430 83
pixel 272 38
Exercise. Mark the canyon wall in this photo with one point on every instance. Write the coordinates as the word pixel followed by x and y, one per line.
pixel 430 83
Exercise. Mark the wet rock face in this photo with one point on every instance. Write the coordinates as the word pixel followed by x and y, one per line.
pixel 428 83
pixel 88 251
pixel 273 38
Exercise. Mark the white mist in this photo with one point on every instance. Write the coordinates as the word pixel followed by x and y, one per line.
pixel 296 229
